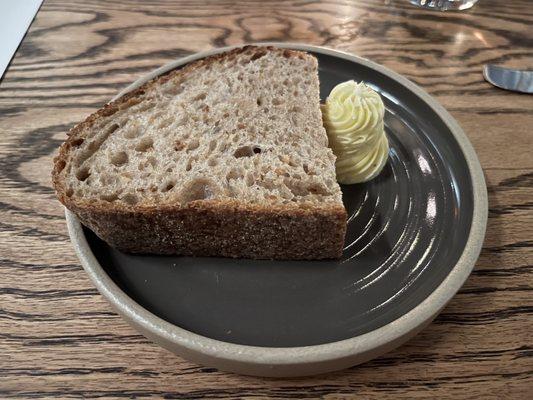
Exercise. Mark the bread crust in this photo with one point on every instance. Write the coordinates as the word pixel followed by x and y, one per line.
pixel 226 228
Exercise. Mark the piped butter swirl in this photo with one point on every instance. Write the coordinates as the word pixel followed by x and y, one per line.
pixel 353 118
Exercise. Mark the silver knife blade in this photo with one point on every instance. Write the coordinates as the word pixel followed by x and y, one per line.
pixel 509 79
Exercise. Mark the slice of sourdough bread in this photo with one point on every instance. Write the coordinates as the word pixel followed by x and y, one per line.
pixel 224 157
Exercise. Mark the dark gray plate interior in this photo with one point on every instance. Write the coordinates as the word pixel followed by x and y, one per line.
pixel 406 230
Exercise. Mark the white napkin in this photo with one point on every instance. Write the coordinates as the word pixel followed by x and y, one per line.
pixel 15 19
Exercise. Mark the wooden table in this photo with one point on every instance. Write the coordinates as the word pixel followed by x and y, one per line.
pixel 59 337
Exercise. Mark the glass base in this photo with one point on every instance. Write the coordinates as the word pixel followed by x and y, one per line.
pixel 444 5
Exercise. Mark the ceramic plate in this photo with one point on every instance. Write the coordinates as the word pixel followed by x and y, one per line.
pixel 414 234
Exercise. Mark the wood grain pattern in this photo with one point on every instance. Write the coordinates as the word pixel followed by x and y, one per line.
pixel 59 338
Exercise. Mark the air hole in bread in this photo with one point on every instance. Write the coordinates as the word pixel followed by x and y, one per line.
pixel 95 144
pixel 169 186
pixel 277 101
pixel 212 145
pixel 130 198
pixel 250 180
pixel 223 146
pixel 130 103
pixel 145 144
pixel 166 122
pixel 179 145
pixel 193 144
pixel 234 174
pixel 119 158
pixel 260 102
pixel 108 111
pixel 109 197
pixel 295 121
pixel 77 142
pixel 244 151
pixel 108 179
pixel 256 150
pixel 152 161
pixel 296 188
pixel 128 175
pixel 212 162
pixel 197 189
pixel 199 97
pixel 257 55
pixel 132 133
pixel 61 165
pixel 183 120
pixel 82 174
pixel 306 168
pixel 69 192
pixel 174 89
pixel 189 165
pixel 145 106
pixel 316 188
pixel 158 114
